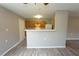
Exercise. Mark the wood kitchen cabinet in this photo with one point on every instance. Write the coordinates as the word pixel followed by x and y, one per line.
pixel 31 24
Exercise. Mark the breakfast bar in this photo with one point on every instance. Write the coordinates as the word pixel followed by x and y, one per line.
pixel 47 34
pixel 45 38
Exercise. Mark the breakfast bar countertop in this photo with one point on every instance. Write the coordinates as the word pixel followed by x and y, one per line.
pixel 39 30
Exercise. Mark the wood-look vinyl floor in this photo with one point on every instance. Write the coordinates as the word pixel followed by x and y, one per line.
pixel 21 50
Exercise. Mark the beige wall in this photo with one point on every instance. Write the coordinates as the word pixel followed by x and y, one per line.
pixel 9 30
pixel 21 28
pixel 73 28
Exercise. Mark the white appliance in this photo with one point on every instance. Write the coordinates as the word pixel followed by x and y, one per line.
pixel 48 26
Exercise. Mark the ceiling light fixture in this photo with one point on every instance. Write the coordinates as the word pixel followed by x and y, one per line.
pixel 38 16
pixel 43 3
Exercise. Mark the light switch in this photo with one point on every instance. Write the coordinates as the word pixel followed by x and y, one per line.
pixel 6 29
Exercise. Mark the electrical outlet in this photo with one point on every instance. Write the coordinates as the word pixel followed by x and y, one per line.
pixel 6 41
pixel 45 39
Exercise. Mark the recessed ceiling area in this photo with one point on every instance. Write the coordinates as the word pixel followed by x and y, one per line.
pixel 47 11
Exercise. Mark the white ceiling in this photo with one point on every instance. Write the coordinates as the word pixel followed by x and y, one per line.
pixel 29 10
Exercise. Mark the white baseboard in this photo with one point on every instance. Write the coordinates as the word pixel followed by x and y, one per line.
pixel 47 47
pixel 12 47
pixel 72 38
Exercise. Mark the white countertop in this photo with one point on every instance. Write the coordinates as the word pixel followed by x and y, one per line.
pixel 39 30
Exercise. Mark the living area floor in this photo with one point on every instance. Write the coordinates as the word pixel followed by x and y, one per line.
pixel 21 50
